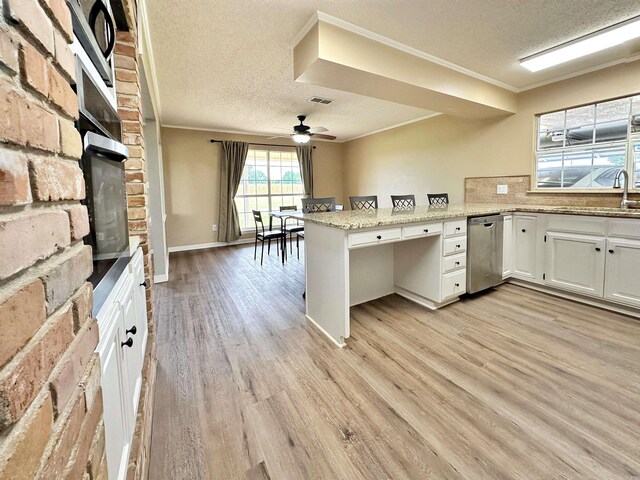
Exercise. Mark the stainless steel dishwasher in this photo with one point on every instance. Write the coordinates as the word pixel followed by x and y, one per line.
pixel 484 252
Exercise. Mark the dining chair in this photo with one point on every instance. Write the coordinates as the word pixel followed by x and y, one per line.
pixel 363 202
pixel 262 235
pixel 291 229
pixel 438 199
pixel 403 201
pixel 318 205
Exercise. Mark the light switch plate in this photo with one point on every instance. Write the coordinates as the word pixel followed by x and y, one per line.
pixel 502 189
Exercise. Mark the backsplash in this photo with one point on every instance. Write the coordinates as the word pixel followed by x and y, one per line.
pixel 483 190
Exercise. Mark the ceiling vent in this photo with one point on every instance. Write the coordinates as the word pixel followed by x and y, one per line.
pixel 323 101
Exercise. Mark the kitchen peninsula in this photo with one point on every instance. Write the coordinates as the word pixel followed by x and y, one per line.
pixel 351 257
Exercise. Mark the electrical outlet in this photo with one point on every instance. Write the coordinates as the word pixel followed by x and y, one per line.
pixel 502 189
pixel 215 228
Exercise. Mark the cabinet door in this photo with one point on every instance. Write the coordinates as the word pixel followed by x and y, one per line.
pixel 621 273
pixel 576 262
pixel 507 246
pixel 132 358
pixel 524 247
pixel 112 381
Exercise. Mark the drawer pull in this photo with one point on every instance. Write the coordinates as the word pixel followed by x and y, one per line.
pixel 379 237
pixel 611 251
pixel 457 246
pixel 128 343
pixel 457 229
pixel 457 263
pixel 133 330
pixel 426 230
pixel 457 285
pixel 597 249
pixel 144 284
pixel 524 230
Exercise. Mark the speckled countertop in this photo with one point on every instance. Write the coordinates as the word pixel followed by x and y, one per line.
pixel 356 219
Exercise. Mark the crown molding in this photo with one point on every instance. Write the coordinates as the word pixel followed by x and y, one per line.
pixel 408 122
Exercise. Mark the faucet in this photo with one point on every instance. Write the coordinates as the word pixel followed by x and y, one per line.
pixel 625 203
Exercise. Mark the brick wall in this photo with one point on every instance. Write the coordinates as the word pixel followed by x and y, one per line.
pixel 130 110
pixel 50 398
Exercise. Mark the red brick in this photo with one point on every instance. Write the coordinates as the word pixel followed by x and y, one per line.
pixel 136 152
pixel 82 305
pixel 67 276
pixel 137 213
pixel 126 63
pixel 25 122
pixel 97 451
pixel 125 37
pixel 91 381
pixel 27 442
pixel 130 114
pixel 70 141
pixel 80 456
pixel 53 180
pixel 136 201
pixel 79 221
pixel 34 69
pixel 21 315
pixel 62 16
pixel 134 164
pixel 127 76
pixel 61 93
pixel 25 239
pixel 127 88
pixel 64 56
pixel 135 188
pixel 23 377
pixel 126 49
pixel 14 178
pixel 133 127
pixel 138 226
pixel 135 176
pixel 73 365
pixel 128 101
pixel 65 435
pixel 33 19
pixel 8 52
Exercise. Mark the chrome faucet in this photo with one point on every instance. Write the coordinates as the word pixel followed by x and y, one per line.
pixel 625 203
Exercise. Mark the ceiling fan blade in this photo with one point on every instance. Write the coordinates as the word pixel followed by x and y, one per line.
pixel 279 136
pixel 318 130
pixel 281 128
pixel 324 137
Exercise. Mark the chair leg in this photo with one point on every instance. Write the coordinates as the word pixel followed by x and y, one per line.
pixel 269 249
pixel 262 253
pixel 284 248
pixel 298 246
pixel 255 248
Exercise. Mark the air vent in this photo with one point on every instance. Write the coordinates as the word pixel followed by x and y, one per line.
pixel 323 101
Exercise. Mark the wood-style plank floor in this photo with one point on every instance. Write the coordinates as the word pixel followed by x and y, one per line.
pixel 509 384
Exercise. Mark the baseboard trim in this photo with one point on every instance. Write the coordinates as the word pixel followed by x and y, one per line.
pixel 341 345
pixel 201 246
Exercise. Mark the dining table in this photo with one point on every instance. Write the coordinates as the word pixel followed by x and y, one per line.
pixel 283 215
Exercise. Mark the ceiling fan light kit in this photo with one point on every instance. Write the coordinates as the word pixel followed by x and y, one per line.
pixel 586 45
pixel 302 133
pixel 301 138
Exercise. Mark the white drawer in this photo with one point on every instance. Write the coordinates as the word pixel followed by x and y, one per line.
pixel 454 262
pixel 455 227
pixel 374 237
pixel 621 227
pixel 454 245
pixel 454 284
pixel 424 230
pixel 577 224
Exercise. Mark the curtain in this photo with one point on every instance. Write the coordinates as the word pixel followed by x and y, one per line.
pixel 306 167
pixel 231 166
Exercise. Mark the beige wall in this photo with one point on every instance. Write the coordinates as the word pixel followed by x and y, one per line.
pixel 435 155
pixel 191 176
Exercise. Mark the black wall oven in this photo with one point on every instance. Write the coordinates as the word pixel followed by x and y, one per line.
pixel 103 166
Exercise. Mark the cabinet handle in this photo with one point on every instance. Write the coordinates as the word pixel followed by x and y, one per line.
pixel 128 343
pixel 457 246
pixel 379 237
pixel 426 230
pixel 133 330
pixel 457 229
pixel 597 249
pixel 524 230
pixel 611 250
pixel 457 263
pixel 144 284
pixel 457 285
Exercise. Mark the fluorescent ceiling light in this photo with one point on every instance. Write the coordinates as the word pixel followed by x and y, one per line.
pixel 594 42
pixel 301 138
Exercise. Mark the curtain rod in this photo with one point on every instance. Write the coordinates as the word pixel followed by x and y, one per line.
pixel 263 144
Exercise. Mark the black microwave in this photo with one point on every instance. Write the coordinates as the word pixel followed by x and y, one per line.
pixel 95 29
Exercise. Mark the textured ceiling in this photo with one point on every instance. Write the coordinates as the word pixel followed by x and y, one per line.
pixel 228 65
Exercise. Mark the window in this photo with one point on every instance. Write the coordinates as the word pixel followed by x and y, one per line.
pixel 270 179
pixel 584 147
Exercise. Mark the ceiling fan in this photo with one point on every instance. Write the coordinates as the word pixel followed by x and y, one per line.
pixel 302 133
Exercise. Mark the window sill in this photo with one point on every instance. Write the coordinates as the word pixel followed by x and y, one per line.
pixel 575 191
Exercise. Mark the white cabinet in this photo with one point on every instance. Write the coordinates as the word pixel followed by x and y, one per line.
pixel 576 262
pixel 524 246
pixel 122 324
pixel 507 246
pixel 622 271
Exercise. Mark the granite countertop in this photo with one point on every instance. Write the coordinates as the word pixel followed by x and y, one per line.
pixel 356 219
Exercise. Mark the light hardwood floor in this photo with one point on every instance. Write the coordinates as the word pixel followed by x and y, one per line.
pixel 509 384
